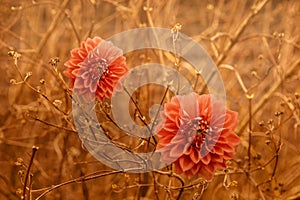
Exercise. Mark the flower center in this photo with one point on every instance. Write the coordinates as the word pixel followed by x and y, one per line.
pixel 98 69
pixel 202 129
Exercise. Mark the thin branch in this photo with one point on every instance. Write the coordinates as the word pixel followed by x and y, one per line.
pixel 249 97
pixel 256 9
pixel 34 149
pixel 268 94
pixel 140 115
pixel 88 177
pixel 52 26
pixel 53 125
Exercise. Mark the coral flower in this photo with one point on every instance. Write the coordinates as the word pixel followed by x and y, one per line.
pixel 95 68
pixel 197 135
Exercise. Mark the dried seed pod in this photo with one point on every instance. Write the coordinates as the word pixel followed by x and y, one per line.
pixel 277 114
pixel 234 196
pixel 54 61
pixel 261 123
pixel 42 81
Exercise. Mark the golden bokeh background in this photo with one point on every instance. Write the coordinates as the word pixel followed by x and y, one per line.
pixel 254 43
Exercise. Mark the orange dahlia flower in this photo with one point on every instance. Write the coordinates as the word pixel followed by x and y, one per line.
pixel 197 134
pixel 95 68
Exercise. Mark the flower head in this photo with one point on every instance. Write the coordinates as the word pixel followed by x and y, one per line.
pixel 197 134
pixel 95 68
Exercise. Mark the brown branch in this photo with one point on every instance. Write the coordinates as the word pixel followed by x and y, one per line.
pixel 249 97
pixel 268 94
pixel 52 26
pixel 240 30
pixel 78 180
pixel 53 125
pixel 234 38
pixel 34 149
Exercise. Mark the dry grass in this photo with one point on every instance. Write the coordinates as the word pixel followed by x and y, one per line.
pixel 255 44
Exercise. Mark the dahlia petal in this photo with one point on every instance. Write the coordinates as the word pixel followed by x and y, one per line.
pixel 177 121
pixel 97 40
pixel 203 151
pixel 87 83
pixel 178 168
pixel 89 45
pixel 88 96
pixel 209 143
pixel 205 173
pixel 68 74
pixel 206 148
pixel 171 128
pixel 218 113
pixel 185 163
pixel 233 139
pixel 204 104
pixel 118 87
pixel 108 94
pixel 171 111
pixel 176 151
pixel 162 133
pixel 218 150
pixel 228 155
pixel 217 158
pixel 109 81
pixel 227 148
pixel 102 89
pixel 106 50
pixel 109 88
pixel 210 168
pixel 190 109
pixel 79 83
pixel 195 169
pixel 99 96
pixel 114 77
pixel 164 140
pixel 206 159
pixel 74 53
pixel 222 139
pixel 159 146
pixel 93 86
pixel 82 54
pixel 188 151
pixel 80 90
pixel 195 156
pixel 117 65
pixel 219 165
pixel 178 139
pixel 72 84
pixel 188 173
pixel 231 120
pixel 75 72
pixel 165 156
pixel 69 66
pixel 186 146
pixel 73 63
pixel 101 86
pixel 85 75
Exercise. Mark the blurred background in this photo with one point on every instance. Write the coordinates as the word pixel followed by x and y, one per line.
pixel 254 43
